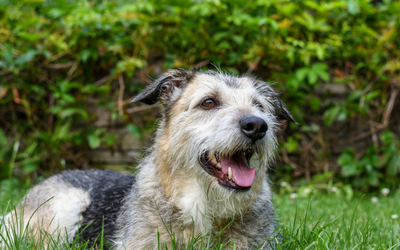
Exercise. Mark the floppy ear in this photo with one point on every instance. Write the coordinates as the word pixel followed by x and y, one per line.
pixel 164 86
pixel 281 110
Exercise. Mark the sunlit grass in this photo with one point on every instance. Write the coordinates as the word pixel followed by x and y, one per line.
pixel 319 222
pixel 333 222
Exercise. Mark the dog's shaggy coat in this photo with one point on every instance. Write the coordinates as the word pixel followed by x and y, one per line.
pixel 205 173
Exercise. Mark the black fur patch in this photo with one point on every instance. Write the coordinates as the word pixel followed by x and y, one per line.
pixel 107 191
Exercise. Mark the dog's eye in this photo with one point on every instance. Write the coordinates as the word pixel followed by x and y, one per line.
pixel 207 103
pixel 259 105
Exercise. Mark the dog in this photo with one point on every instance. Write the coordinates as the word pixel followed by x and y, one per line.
pixel 206 172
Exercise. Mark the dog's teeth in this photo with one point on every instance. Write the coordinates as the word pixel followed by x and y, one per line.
pixel 213 160
pixel 230 176
pixel 218 165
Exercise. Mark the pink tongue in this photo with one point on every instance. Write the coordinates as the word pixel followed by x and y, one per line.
pixel 242 174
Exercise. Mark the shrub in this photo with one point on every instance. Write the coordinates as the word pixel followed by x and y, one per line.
pixel 336 64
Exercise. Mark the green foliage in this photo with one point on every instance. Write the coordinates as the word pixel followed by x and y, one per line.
pixel 308 76
pixel 373 168
pixel 60 59
pixel 135 130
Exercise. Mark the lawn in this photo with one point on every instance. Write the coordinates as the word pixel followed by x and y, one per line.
pixel 333 222
pixel 317 222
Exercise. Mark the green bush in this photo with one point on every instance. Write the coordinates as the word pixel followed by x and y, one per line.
pixel 59 58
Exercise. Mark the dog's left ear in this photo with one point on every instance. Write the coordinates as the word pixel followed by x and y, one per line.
pixel 164 86
pixel 281 110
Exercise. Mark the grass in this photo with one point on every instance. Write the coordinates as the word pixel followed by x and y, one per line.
pixel 319 222
pixel 332 222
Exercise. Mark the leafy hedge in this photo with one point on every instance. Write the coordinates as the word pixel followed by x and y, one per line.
pixel 336 64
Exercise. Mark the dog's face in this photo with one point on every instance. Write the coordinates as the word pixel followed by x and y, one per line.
pixel 217 127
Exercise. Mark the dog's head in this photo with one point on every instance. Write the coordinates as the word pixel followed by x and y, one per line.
pixel 217 126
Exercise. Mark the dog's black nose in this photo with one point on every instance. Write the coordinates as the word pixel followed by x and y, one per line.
pixel 253 127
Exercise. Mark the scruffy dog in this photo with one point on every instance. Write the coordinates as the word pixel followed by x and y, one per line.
pixel 205 173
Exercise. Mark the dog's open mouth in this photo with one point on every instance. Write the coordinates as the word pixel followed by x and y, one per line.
pixel 232 171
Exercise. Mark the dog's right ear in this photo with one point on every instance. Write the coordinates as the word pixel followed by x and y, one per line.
pixel 164 86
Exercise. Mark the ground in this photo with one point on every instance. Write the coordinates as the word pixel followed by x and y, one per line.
pixel 333 222
pixel 323 221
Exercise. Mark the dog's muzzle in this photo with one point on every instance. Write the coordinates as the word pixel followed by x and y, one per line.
pixel 232 169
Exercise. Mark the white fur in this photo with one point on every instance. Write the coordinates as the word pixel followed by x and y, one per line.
pixel 54 206
pixel 68 206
